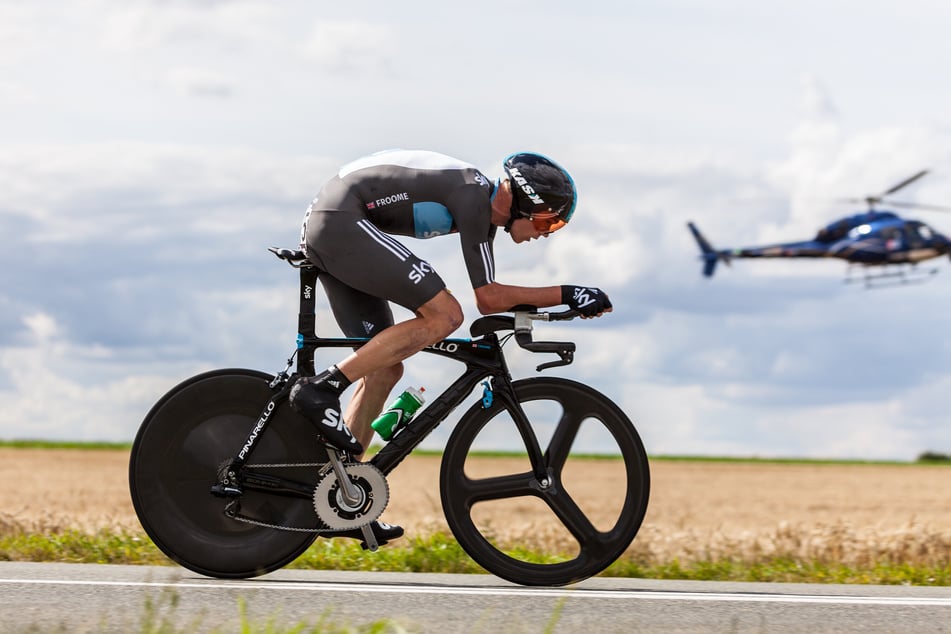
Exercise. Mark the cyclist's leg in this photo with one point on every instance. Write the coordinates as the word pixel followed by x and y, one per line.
pixel 368 400
pixel 361 315
pixel 435 320
pixel 346 246
pixel 357 254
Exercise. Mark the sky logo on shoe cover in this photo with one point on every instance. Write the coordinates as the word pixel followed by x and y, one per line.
pixel 332 419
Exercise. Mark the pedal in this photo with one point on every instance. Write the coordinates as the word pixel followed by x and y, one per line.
pixel 369 539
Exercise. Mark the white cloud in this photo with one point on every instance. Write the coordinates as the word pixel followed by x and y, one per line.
pixel 222 26
pixel 16 93
pixel 19 24
pixel 201 83
pixel 136 220
pixel 41 326
pixel 52 388
pixel 344 47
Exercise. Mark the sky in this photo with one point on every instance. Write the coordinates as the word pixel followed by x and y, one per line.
pixel 151 151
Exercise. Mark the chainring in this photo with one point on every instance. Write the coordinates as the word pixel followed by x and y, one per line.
pixel 336 513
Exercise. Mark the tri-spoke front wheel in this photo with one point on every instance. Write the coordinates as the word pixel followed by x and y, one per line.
pixel 562 519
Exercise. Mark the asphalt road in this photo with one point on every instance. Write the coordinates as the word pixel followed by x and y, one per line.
pixel 93 598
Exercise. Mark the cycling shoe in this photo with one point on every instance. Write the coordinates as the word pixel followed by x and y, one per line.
pixel 381 530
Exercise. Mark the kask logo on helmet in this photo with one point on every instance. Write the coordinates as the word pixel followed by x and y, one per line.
pixel 525 187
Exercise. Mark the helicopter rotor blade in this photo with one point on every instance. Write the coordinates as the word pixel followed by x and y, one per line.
pixel 908 205
pixel 904 183
pixel 871 201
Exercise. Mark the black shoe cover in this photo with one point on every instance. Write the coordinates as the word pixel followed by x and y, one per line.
pixel 381 530
pixel 322 408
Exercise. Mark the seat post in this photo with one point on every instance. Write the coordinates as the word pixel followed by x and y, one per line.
pixel 307 320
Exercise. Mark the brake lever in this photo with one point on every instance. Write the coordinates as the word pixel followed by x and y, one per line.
pixel 567 356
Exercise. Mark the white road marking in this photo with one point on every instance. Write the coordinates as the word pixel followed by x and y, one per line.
pixel 578 593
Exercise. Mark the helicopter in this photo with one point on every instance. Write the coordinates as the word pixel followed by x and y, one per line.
pixel 887 247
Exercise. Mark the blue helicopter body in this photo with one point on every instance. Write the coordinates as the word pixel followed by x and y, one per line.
pixel 872 238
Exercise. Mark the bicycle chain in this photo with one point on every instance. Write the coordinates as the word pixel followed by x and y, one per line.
pixel 276 465
pixel 280 527
pixel 296 529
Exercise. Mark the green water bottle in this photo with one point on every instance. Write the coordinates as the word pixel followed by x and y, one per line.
pixel 399 412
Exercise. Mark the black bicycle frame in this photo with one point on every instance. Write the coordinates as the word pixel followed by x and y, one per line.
pixel 482 358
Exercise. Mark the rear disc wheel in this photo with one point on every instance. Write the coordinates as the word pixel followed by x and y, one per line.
pixel 198 426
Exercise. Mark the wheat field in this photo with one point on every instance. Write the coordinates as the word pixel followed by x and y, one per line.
pixel 699 511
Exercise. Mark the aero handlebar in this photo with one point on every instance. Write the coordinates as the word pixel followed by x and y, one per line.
pixel 523 334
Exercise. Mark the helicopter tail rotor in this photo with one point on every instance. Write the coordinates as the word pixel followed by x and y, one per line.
pixel 709 255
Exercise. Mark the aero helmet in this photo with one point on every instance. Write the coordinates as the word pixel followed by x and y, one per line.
pixel 541 191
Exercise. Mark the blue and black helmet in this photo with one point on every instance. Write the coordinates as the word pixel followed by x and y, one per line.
pixel 541 190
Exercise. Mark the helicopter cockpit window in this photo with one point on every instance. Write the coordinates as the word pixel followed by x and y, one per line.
pixel 835 231
pixel 925 232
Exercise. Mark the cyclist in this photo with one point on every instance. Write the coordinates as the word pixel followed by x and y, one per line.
pixel 348 234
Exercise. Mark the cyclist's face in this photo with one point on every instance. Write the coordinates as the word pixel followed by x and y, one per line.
pixel 524 229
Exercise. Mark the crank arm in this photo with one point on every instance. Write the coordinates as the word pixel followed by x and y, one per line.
pixel 369 538
pixel 348 490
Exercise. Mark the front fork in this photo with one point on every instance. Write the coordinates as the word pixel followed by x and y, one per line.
pixel 501 389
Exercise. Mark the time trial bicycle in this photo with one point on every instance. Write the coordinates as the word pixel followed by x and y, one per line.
pixel 229 481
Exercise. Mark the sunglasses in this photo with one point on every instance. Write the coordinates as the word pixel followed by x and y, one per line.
pixel 547 221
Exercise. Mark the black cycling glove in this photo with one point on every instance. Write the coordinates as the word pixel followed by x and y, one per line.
pixel 587 301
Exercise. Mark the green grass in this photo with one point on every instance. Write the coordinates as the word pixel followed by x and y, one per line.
pixel 439 552
pixel 64 444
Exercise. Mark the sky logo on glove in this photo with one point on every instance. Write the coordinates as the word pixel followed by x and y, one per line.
pixel 583 296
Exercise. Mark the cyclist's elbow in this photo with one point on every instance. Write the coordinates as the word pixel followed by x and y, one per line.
pixel 488 308
pixel 488 300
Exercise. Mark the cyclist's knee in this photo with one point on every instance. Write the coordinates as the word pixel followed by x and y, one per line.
pixel 443 315
pixel 453 320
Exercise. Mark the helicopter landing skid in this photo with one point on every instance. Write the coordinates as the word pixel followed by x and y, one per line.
pixel 901 275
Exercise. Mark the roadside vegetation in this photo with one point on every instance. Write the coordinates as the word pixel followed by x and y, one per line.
pixel 917 554
pixel 833 554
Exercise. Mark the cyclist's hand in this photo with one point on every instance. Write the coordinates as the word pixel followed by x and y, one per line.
pixel 588 301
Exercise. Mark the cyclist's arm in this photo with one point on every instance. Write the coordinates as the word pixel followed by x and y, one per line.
pixel 497 298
